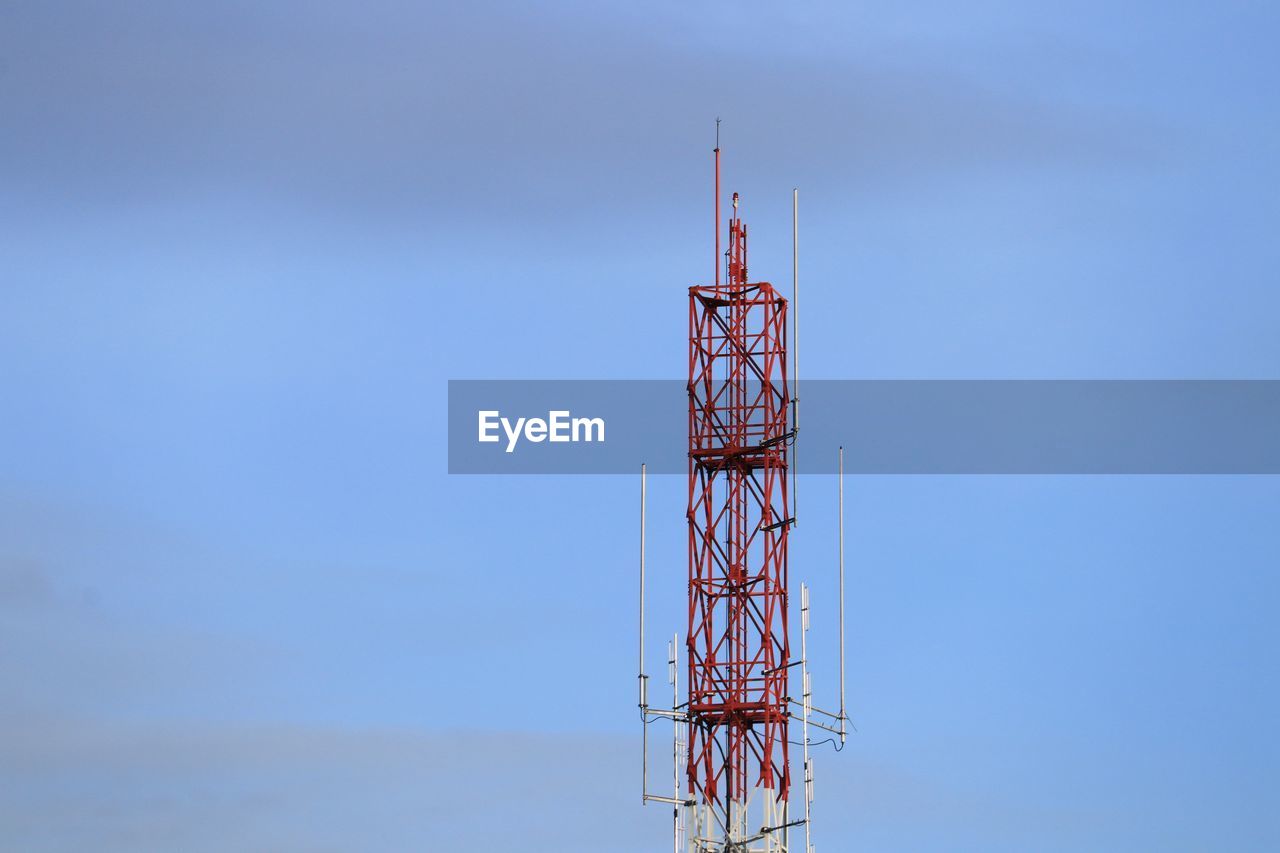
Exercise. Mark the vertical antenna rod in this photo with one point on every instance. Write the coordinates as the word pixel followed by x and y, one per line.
pixel 807 704
pixel 674 673
pixel 642 520
pixel 644 699
pixel 843 716
pixel 717 259
pixel 795 351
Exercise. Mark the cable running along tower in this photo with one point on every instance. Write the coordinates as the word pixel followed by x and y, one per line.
pixel 732 784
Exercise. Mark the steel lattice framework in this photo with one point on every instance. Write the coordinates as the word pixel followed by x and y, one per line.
pixel 731 779
pixel 738 651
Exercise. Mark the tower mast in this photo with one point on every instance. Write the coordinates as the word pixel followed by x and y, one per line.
pixel 738 650
pixel 731 765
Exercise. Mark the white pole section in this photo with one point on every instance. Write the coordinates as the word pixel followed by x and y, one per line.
pixel 795 350
pixel 843 715
pixel 643 496
pixel 644 698
pixel 674 673
pixel 807 703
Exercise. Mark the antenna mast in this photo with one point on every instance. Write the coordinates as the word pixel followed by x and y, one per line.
pixel 716 264
pixel 795 348
pixel 734 794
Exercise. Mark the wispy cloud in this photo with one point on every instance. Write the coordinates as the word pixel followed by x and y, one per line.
pixel 74 785
pixel 23 584
pixel 440 111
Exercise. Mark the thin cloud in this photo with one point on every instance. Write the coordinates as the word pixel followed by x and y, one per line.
pixel 444 113
pixel 78 785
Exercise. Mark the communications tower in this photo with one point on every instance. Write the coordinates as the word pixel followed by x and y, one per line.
pixel 732 783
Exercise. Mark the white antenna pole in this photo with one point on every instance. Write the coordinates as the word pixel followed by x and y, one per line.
pixel 643 501
pixel 674 675
pixel 795 349
pixel 644 679
pixel 807 704
pixel 843 715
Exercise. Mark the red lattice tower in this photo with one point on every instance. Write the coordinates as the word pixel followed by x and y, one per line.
pixel 738 650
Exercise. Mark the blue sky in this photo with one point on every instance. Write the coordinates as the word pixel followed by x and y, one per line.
pixel 243 607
